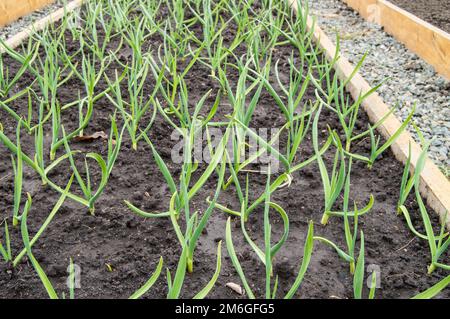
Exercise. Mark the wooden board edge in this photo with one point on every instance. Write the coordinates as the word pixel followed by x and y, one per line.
pixel 19 11
pixel 426 40
pixel 435 187
pixel 57 15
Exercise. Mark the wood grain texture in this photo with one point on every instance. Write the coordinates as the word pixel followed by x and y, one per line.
pixel 435 187
pixel 427 41
pixel 11 10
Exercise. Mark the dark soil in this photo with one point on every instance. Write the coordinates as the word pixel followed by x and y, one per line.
pixel 436 12
pixel 132 245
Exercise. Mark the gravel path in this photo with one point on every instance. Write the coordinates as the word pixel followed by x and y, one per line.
pixel 410 79
pixel 18 25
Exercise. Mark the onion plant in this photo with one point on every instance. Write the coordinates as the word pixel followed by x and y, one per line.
pixel 297 122
pixel 244 203
pixel 43 173
pixel 209 22
pixel 242 109
pixel 281 181
pixel 39 141
pixel 150 10
pixel 175 285
pixel 114 144
pixel 119 12
pixel 335 98
pixel 295 92
pixel 181 195
pixel 406 184
pixel 93 20
pixel 358 277
pixel 26 120
pixel 350 236
pixel 18 176
pixel 333 186
pixel 213 26
pixel 25 58
pixel 90 77
pixel 26 240
pixel 408 179
pixel 376 150
pixel 271 292
pixel 267 254
pixel 437 244
pixel 49 82
pixel 180 200
pixel 150 282
pixel 138 105
pixel 5 250
pixel 173 86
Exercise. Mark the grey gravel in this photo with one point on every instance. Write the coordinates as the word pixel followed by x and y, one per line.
pixel 20 24
pixel 409 79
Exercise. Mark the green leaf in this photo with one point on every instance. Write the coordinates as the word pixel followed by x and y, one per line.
pixel 72 280
pixel 141 291
pixel 307 252
pixel 358 278
pixel 361 211
pixel 434 290
pixel 26 240
pixel 140 212
pixel 162 166
pixel 394 136
pixel 339 251
pixel 235 261
pixel 205 291
pixel 47 221
pixel 373 285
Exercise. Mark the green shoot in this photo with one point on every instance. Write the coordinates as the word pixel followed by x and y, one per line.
pixel 114 144
pixel 332 187
pixel 6 251
pixel 141 291
pixel 18 176
pixel 434 290
pixel 26 240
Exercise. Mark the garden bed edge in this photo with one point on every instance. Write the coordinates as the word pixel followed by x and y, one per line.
pixel 57 15
pixel 435 187
pixel 426 40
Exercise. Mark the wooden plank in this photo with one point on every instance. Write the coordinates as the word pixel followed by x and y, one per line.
pixel 57 15
pixel 435 187
pixel 11 10
pixel 427 41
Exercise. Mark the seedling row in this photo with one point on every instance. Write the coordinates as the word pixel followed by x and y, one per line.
pixel 201 149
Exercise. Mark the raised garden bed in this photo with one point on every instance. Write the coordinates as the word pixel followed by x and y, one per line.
pixel 116 249
pixel 436 12
pixel 423 38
